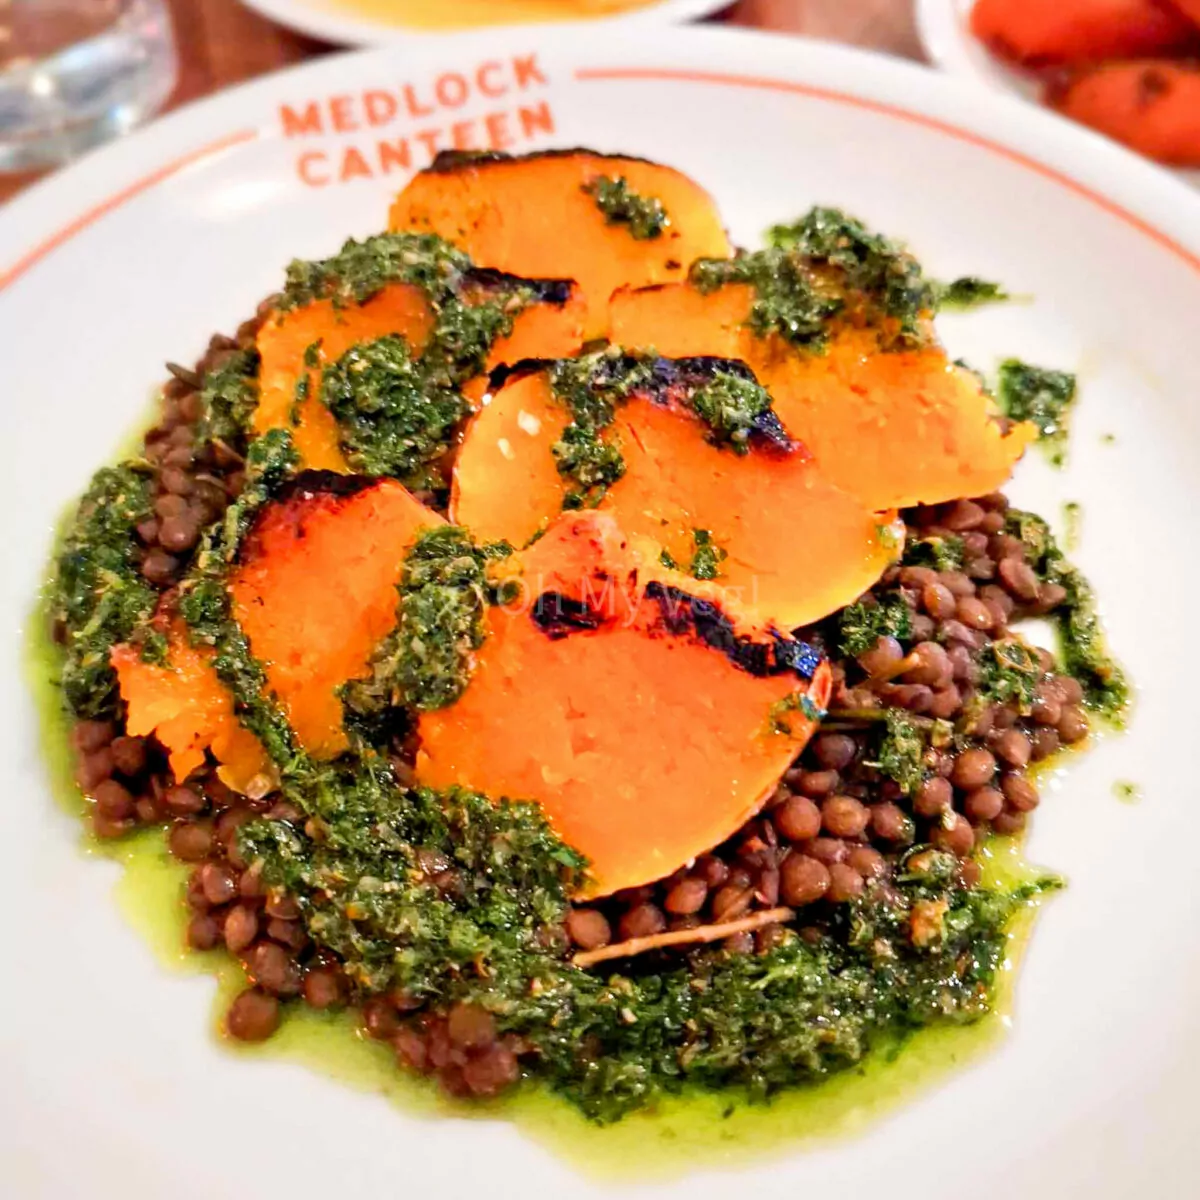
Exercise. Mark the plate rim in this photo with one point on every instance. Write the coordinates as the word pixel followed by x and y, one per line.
pixel 119 164
pixel 51 212
pixel 350 30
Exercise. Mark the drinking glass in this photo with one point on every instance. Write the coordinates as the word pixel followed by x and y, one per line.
pixel 74 73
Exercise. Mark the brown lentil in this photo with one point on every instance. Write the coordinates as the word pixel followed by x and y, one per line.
pixel 984 804
pixel 973 769
pixel 253 1016
pixel 938 601
pixel 956 835
pixel 203 932
pixel 798 819
pixel 891 823
pixel 883 655
pixel 489 1073
pixel 1072 725
pixel 183 801
pixel 975 613
pixel 1013 747
pixel 687 896
pixel 933 798
pixel 1008 823
pixel 844 816
pixel 240 928
pixel 1019 793
pixel 190 841
pixel 219 883
pixel 113 800
pixel 731 901
pixel 129 755
pixel 845 883
pixel 867 861
pixel 803 879
pixel 643 920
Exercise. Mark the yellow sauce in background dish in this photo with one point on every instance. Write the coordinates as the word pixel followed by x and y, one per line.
pixel 463 14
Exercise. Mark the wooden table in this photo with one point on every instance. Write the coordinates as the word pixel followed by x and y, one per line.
pixel 221 43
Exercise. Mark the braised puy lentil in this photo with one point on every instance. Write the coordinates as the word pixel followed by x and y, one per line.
pixel 845 913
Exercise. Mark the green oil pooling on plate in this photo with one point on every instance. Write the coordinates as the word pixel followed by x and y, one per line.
pixel 683 1133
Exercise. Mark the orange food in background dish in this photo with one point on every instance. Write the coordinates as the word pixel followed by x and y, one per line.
pixel 1150 106
pixel 1125 68
pixel 1038 33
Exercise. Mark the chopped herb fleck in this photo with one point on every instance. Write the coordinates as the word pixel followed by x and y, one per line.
pixel 1083 650
pixel 940 553
pixel 868 264
pixel 707 559
pixel 900 752
pixel 795 702
pixel 1009 672
pixel 425 663
pixel 861 625
pixel 1126 792
pixel 1045 397
pixel 98 597
pixel 968 292
pixel 644 216
pixel 1072 524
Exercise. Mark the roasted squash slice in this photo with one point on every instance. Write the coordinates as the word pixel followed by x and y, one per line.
pixel 314 590
pixel 186 706
pixel 896 427
pixel 783 543
pixel 543 214
pixel 551 325
pixel 289 390
pixel 643 726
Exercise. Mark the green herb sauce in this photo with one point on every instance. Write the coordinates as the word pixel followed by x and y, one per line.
pixel 1045 397
pixel 788 298
pixel 939 553
pixel 1083 650
pixel 723 394
pixel 731 405
pixel 392 420
pixel 866 265
pixel 98 597
pixel 682 1130
pixel 425 663
pixel 1072 524
pixel 1009 672
pixel 968 292
pixel 397 413
pixel 1126 792
pixel 861 625
pixel 644 216
pixel 228 399
pixel 708 557
pixel 900 751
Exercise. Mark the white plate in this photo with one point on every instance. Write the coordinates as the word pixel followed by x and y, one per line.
pixel 336 20
pixel 111 1082
pixel 944 26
